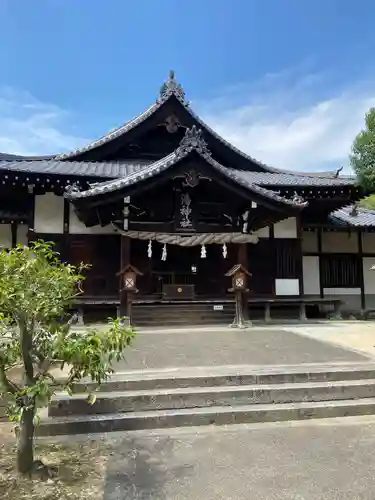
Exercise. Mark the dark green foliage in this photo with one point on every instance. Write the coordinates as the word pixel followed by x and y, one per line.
pixel 36 290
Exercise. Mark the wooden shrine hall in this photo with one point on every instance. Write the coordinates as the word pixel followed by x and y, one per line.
pixel 163 208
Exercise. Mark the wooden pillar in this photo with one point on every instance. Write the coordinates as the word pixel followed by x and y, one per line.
pixel 320 263
pixel 300 261
pixel 125 306
pixel 66 230
pixel 243 260
pixel 31 218
pixel 14 227
pixel 361 275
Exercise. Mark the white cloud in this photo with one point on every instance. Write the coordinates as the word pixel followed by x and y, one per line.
pixel 31 127
pixel 281 121
pixel 296 119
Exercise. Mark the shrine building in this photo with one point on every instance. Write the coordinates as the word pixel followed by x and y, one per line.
pixel 167 195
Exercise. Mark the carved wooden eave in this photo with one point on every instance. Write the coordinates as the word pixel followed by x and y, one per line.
pixel 192 142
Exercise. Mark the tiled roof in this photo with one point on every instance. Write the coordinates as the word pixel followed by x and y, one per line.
pixel 359 217
pixel 74 168
pixel 192 141
pixel 113 170
pixel 13 214
pixel 294 179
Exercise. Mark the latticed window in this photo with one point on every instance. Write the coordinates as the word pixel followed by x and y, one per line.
pixel 340 271
pixel 288 258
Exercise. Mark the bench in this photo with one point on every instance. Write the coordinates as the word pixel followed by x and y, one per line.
pixel 367 313
pixel 82 302
pixel 301 302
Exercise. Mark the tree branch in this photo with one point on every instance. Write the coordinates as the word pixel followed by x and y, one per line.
pixel 9 386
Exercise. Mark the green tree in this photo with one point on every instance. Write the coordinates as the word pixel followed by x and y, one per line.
pixel 362 157
pixel 36 291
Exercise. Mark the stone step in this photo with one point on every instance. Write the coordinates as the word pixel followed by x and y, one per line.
pixel 199 397
pixel 160 322
pixel 224 415
pixel 236 375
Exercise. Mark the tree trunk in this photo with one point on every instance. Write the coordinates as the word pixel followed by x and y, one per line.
pixel 25 442
pixel 25 450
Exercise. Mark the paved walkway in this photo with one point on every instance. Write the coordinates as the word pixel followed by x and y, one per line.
pixel 315 460
pixel 225 346
pixel 355 335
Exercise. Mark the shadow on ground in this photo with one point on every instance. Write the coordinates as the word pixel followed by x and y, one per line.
pixel 316 460
pixel 139 469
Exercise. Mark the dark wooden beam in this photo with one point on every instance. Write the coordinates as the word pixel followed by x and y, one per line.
pixel 321 290
pixel 31 221
pixel 66 230
pixel 272 231
pixel 300 258
pixel 14 227
pixel 242 257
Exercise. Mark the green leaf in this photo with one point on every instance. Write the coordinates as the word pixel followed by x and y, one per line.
pixel 36 292
pixel 91 398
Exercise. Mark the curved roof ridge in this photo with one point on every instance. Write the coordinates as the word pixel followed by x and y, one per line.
pixel 192 141
pixel 171 88
pixel 122 129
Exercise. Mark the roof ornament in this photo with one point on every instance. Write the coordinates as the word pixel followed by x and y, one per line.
pixel 354 210
pixel 298 200
pixel 172 87
pixel 337 173
pixel 193 139
pixel 72 188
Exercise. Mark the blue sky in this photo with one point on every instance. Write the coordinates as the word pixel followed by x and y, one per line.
pixel 288 81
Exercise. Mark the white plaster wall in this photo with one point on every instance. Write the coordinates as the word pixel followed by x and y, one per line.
pixel 341 291
pixel 286 228
pixel 309 241
pixel 369 275
pixel 350 297
pixel 263 233
pixel 311 278
pixel 368 242
pixel 22 238
pixel 77 227
pixel 287 286
pixel 49 214
pixel 5 236
pixel 335 242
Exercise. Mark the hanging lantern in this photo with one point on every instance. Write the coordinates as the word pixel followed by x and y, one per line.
pixel 203 252
pixel 225 251
pixel 164 253
pixel 149 249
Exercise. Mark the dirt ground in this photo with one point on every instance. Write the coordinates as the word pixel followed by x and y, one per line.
pixel 81 469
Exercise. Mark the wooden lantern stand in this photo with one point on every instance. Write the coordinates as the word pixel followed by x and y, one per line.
pixel 128 287
pixel 239 275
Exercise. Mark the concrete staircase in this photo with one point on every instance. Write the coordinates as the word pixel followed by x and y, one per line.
pixel 183 314
pixel 215 395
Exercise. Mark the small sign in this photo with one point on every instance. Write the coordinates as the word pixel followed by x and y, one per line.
pixel 218 307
